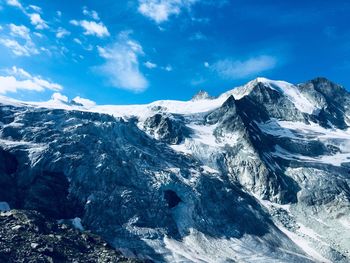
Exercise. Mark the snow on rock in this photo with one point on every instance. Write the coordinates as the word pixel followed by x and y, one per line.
pixel 291 91
pixel 299 100
pixel 306 132
pixel 84 102
pixel 205 104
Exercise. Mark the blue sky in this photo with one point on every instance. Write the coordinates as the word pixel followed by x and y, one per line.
pixel 137 51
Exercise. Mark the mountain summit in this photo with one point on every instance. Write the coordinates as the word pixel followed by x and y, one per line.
pixel 258 174
pixel 201 95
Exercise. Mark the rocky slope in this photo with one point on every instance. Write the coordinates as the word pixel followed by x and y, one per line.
pixel 258 174
pixel 28 236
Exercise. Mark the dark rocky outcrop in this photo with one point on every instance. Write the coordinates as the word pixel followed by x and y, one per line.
pixel 29 237
pixel 166 128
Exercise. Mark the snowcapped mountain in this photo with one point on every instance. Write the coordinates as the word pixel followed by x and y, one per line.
pixel 259 174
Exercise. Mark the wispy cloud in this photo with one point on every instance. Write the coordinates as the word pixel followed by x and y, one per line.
pixel 20 31
pixel 160 10
pixel 91 13
pixel 168 68
pixel 19 41
pixel 35 18
pixel 150 65
pixel 17 48
pixel 121 65
pixel 198 36
pixel 62 32
pixel 237 69
pixel 37 21
pixel 19 79
pixel 92 28
pixel 35 8
pixel 15 3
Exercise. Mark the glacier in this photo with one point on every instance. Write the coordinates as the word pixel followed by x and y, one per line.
pixel 260 173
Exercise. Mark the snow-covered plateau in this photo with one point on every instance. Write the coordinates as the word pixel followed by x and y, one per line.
pixel 260 173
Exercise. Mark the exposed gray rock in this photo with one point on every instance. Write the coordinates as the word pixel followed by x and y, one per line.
pixel 166 128
pixel 28 236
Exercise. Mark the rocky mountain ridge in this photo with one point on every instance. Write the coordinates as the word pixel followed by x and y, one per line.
pixel 260 173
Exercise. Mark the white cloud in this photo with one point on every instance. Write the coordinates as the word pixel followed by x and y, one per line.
pixel 78 41
pixel 198 81
pixel 35 18
pixel 18 49
pixel 87 47
pixel 122 64
pixel 59 13
pixel 150 65
pixel 168 68
pixel 20 31
pixel 15 3
pixel 39 35
pixel 236 69
pixel 160 10
pixel 21 43
pixel 75 22
pixel 91 13
pixel 37 21
pixel 92 28
pixel 206 64
pixel 61 32
pixel 19 72
pixel 35 8
pixel 198 36
pixel 19 79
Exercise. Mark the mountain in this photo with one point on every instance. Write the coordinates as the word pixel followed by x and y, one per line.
pixel 260 173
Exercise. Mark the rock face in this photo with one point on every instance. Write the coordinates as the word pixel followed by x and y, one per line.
pixel 168 129
pixel 202 95
pixel 28 236
pixel 264 167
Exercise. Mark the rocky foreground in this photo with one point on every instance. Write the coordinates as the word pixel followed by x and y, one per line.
pixel 28 236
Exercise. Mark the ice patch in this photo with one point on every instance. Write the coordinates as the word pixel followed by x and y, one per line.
pixel 336 160
pixel 210 170
pixel 198 247
pixel 305 245
pixel 295 96
pixel 345 222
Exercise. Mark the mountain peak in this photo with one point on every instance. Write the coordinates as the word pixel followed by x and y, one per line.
pixel 201 95
pixel 262 80
pixel 322 81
